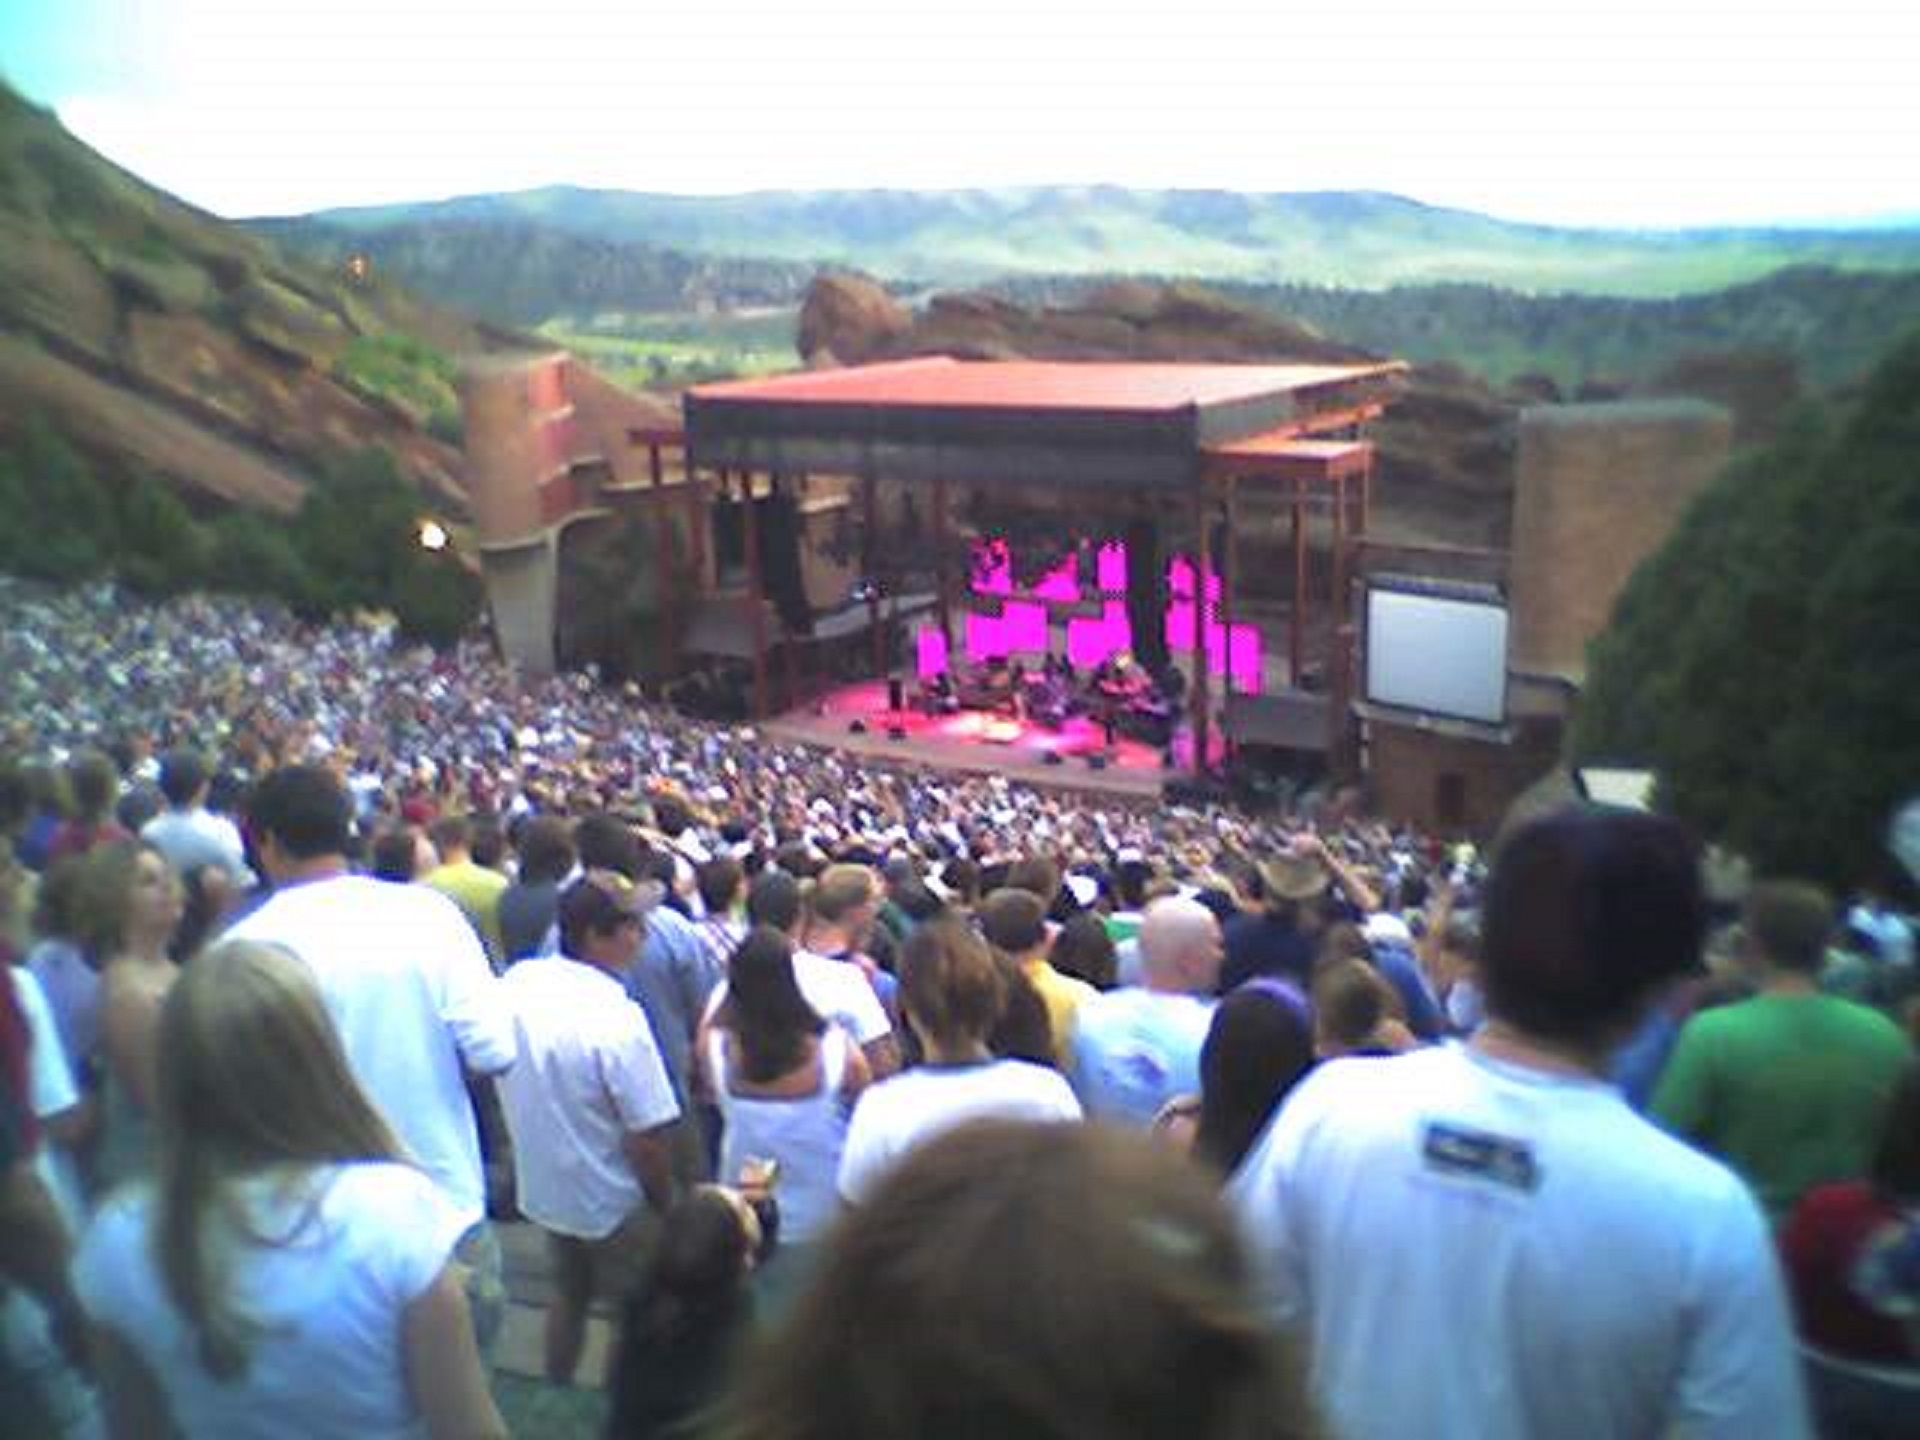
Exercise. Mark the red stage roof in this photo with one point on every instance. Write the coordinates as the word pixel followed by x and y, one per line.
pixel 942 382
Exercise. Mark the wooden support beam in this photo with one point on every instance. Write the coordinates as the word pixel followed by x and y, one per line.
pixel 1297 623
pixel 756 598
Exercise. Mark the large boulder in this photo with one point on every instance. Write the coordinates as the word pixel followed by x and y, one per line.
pixel 853 317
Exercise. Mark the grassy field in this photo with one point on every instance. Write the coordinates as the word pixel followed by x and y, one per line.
pixel 670 350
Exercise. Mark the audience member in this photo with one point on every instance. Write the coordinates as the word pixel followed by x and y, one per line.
pixel 1014 922
pixel 530 906
pixel 1453 1190
pixel 952 992
pixel 679 1333
pixel 1259 1046
pixel 1138 1047
pixel 588 1104
pixel 1789 1086
pixel 406 982
pixel 785 1082
pixel 1027 1282
pixel 187 833
pixel 287 1272
pixel 130 903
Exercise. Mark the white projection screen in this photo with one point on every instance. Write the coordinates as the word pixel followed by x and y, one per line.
pixel 1437 650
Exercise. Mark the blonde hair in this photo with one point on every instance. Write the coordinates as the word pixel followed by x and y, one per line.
pixel 252 1079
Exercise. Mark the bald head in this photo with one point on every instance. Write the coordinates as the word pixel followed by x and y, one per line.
pixel 1180 947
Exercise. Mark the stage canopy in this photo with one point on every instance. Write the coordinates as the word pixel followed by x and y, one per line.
pixel 1021 423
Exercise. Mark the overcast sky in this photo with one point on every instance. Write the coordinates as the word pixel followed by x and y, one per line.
pixel 1631 112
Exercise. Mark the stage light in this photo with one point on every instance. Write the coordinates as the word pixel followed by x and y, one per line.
pixel 857 727
pixel 433 535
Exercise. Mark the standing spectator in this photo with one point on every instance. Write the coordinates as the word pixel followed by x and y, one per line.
pixel 1837 1227
pixel 952 991
pixel 1453 1190
pixel 1258 1048
pixel 34 1244
pixel 679 1333
pixel 843 906
pixel 130 904
pixel 588 1105
pixel 1015 923
pixel 1066 1281
pixel 187 833
pixel 673 979
pixel 408 987
pixel 288 1273
pixel 837 991
pixel 722 884
pixel 1084 951
pixel 1138 1047
pixel 468 874
pixel 94 783
pixel 1789 1086
pixel 530 906
pixel 785 1082
pixel 402 854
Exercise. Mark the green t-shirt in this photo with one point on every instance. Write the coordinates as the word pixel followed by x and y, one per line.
pixel 1788 1089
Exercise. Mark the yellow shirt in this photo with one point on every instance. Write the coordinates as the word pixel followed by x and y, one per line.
pixel 1063 995
pixel 476 890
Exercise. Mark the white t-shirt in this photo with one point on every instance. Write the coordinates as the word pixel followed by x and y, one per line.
pixel 586 1072
pixel 910 1108
pixel 51 1091
pixel 1479 1248
pixel 411 992
pixel 328 1359
pixel 838 992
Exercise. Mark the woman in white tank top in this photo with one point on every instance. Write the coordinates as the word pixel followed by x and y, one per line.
pixel 785 1082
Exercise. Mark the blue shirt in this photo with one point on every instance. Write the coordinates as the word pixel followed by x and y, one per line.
pixel 1134 1050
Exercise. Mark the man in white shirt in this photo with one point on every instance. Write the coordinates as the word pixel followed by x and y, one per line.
pixel 186 832
pixel 836 989
pixel 588 1103
pixel 408 987
pixel 1608 1281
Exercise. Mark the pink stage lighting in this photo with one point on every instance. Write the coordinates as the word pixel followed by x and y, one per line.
pixel 1061 584
pixel 1024 626
pixel 931 652
pixel 986 637
pixel 1110 566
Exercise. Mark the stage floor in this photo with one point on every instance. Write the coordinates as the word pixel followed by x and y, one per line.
pixel 979 743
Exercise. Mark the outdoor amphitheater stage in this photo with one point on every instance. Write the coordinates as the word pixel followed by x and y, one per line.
pixel 980 742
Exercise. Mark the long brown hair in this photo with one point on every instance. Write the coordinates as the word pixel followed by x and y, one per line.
pixel 252 1081
pixel 1027 1282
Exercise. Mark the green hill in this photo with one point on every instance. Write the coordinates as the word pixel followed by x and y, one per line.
pixel 1352 239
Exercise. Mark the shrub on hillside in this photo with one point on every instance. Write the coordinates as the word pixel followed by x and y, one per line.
pixel 1766 661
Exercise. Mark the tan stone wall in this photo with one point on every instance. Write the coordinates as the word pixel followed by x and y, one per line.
pixel 521 587
pixel 1598 488
pixel 1407 770
pixel 505 449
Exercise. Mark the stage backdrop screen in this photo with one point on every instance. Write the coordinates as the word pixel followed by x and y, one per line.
pixel 1437 650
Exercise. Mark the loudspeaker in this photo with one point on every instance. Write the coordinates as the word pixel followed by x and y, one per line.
pixel 1052 757
pixel 857 727
pixel 896 694
pixel 1096 761
pixel 896 732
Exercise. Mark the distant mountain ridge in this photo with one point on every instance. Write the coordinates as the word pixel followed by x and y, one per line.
pixel 1354 239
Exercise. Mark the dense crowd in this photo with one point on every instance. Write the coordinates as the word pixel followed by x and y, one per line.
pixel 883 1101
